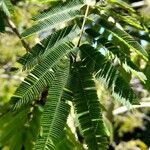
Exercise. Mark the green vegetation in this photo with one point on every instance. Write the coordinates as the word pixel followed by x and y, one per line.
pixel 65 72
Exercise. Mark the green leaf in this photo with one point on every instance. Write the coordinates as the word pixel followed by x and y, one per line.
pixel 124 61
pixel 122 37
pixel 7 7
pixel 108 74
pixel 138 74
pixel 88 110
pixel 119 88
pixel 68 141
pixel 126 19
pixel 19 128
pixel 55 16
pixel 35 56
pixel 122 4
pixel 41 76
pixel 55 112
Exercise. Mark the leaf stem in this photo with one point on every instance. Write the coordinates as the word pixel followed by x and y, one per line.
pixel 83 24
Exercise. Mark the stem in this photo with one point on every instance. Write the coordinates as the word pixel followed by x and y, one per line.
pixel 14 29
pixel 15 77
pixel 124 109
pixel 138 4
pixel 83 24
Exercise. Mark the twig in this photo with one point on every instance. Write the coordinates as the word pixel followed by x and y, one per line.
pixel 83 24
pixel 138 4
pixel 14 29
pixel 124 109
pixel 6 76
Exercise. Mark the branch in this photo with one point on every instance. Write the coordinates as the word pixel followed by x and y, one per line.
pixel 14 29
pixel 124 109
pixel 15 77
pixel 83 24
pixel 138 4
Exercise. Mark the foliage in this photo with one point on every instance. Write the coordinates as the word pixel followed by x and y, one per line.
pixel 81 43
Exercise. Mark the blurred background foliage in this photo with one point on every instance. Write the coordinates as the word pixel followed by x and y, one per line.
pixel 130 129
